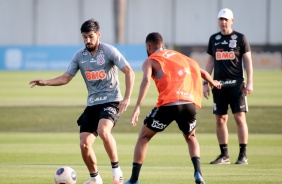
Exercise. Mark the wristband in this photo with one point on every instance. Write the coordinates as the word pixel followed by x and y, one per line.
pixel 205 82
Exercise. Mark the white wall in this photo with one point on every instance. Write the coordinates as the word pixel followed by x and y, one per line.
pixel 57 22
pixel 182 22
pixel 16 22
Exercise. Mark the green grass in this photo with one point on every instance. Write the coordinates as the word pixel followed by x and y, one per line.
pixel 63 119
pixel 38 133
pixel 15 90
pixel 34 157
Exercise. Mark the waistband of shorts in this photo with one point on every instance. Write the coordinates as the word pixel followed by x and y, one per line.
pixel 180 102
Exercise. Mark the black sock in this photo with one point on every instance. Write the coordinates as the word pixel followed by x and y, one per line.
pixel 224 149
pixel 94 174
pixel 243 149
pixel 196 163
pixel 114 164
pixel 135 172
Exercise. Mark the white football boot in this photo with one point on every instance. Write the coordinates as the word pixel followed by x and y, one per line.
pixel 94 180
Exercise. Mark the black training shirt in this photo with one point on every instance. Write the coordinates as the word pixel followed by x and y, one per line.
pixel 228 51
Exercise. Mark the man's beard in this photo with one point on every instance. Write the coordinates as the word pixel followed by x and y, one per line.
pixel 91 47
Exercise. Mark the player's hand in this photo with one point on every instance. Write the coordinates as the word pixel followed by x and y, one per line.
pixel 206 91
pixel 123 105
pixel 247 89
pixel 135 115
pixel 37 82
pixel 216 84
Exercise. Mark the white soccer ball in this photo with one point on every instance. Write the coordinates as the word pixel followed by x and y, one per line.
pixel 65 175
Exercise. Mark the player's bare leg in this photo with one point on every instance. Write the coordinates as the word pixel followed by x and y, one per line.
pixel 88 155
pixel 242 127
pixel 193 144
pixel 89 158
pixel 104 131
pixel 222 129
pixel 140 151
pixel 194 152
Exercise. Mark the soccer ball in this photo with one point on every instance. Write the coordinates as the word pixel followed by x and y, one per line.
pixel 65 175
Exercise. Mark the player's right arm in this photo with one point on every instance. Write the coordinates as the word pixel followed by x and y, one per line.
pixel 143 90
pixel 58 81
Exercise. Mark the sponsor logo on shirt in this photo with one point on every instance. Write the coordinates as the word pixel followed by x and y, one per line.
pixel 185 94
pixel 168 54
pixel 224 42
pixel 92 60
pixel 184 70
pixel 227 82
pixel 218 37
pixel 234 37
pixel 95 75
pixel 225 55
pixel 92 100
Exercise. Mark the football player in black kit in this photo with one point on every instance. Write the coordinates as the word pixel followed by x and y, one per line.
pixel 229 53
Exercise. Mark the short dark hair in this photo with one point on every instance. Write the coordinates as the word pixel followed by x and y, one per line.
pixel 90 25
pixel 155 38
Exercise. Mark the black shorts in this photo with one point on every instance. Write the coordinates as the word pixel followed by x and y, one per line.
pixel 184 115
pixel 231 95
pixel 89 119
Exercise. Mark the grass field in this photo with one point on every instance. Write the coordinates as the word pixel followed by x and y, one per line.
pixel 33 158
pixel 38 134
pixel 15 90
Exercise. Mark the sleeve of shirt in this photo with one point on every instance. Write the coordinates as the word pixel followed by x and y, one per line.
pixel 73 66
pixel 245 45
pixel 118 58
pixel 209 50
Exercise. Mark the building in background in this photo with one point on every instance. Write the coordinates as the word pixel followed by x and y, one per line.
pixel 40 34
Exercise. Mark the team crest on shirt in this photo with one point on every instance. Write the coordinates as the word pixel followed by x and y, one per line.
pixel 232 43
pixel 101 58
pixel 218 37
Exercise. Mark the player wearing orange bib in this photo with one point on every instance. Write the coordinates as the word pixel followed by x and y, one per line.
pixel 178 80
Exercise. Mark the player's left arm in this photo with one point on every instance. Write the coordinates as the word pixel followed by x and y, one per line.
pixel 247 59
pixel 129 82
pixel 207 77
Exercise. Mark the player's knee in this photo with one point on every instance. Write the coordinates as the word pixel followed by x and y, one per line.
pixel 84 146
